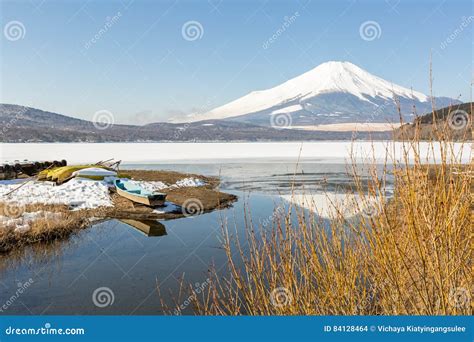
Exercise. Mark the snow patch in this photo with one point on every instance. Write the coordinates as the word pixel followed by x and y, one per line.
pixel 79 193
pixel 153 186
pixel 158 186
pixel 286 110
pixel 188 182
pixel 22 224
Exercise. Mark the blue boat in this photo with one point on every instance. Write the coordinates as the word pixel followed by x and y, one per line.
pixel 137 194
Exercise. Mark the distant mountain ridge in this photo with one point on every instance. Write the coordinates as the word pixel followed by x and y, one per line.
pixel 333 92
pixel 453 123
pixel 25 124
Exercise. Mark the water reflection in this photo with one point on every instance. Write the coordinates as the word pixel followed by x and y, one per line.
pixel 147 227
pixel 119 254
pixel 43 252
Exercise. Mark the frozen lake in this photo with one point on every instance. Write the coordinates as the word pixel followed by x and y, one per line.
pixel 333 151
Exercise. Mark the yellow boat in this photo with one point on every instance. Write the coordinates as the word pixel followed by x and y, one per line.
pixel 62 174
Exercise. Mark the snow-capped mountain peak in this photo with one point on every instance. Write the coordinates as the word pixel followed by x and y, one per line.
pixel 320 87
pixel 347 77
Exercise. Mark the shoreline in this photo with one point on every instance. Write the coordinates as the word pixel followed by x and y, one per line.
pixel 154 153
pixel 49 222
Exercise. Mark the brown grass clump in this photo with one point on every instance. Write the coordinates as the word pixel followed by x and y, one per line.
pixel 55 222
pixel 409 254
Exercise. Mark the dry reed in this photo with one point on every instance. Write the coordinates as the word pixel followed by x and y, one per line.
pixel 405 254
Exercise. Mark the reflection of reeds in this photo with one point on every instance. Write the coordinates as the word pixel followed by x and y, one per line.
pixel 406 255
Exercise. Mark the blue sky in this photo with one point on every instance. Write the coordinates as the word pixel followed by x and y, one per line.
pixel 143 68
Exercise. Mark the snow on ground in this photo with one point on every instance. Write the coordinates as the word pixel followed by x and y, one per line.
pixel 78 193
pixel 22 224
pixel 149 153
pixel 151 185
pixel 188 182
pixel 158 186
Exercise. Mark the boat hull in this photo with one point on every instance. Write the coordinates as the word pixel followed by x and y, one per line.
pixel 150 200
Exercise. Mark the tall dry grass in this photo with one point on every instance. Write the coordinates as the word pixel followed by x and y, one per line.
pixel 407 254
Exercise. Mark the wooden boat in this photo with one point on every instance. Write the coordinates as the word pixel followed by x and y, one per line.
pixel 147 227
pixel 136 194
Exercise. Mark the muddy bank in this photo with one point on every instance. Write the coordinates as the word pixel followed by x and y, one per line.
pixel 190 200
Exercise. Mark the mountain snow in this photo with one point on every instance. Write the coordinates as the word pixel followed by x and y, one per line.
pixel 329 77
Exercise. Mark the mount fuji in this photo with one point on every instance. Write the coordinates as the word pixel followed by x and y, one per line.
pixel 333 92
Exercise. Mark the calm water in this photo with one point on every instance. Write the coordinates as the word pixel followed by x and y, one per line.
pixel 65 274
